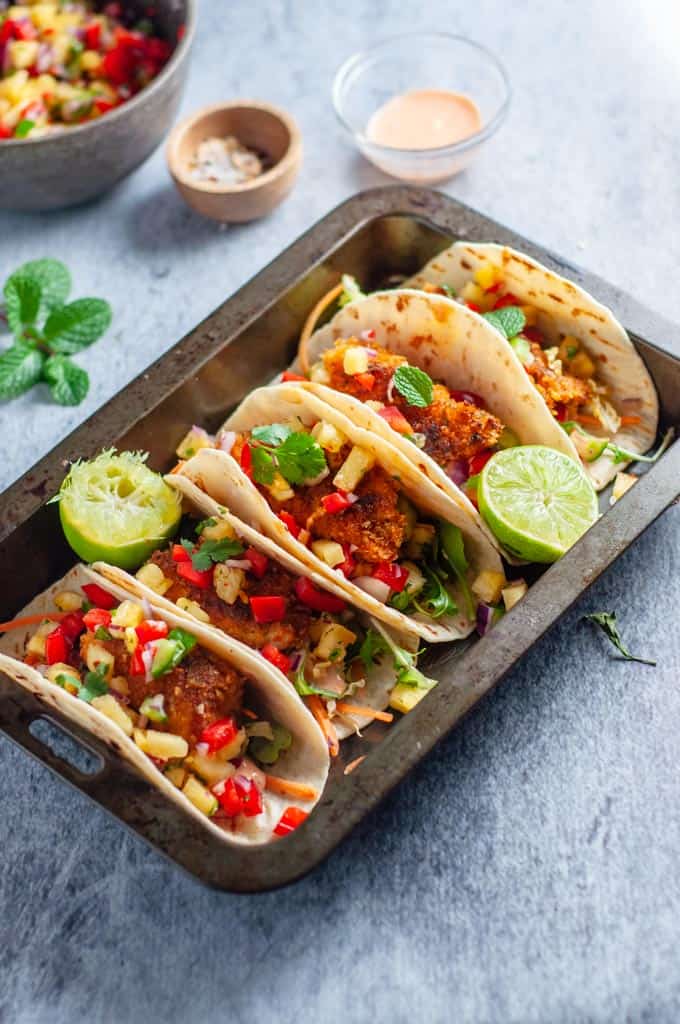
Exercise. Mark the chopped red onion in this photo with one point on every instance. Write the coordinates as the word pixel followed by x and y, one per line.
pixel 203 749
pixel 368 335
pixel 238 563
pixel 373 587
pixel 226 440
pixel 351 498
pixel 458 471
pixel 487 616
pixel 147 659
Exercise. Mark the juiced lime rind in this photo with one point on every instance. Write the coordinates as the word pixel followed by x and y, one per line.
pixel 537 501
pixel 115 509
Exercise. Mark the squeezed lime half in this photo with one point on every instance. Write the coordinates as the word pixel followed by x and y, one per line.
pixel 537 501
pixel 115 509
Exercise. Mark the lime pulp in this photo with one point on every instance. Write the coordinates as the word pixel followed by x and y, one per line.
pixel 115 509
pixel 537 501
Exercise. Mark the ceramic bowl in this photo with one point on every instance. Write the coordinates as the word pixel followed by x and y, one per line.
pixel 260 127
pixel 85 160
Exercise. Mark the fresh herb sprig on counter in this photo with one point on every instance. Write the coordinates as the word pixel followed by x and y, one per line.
pixel 47 332
pixel 607 623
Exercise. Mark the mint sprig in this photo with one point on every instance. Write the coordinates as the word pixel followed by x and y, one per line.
pixel 414 385
pixel 46 331
pixel 509 320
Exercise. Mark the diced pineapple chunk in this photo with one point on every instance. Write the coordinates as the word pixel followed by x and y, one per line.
pixel 152 577
pixel 192 608
pixel 23 53
pixel 210 769
pixel 128 613
pixel 582 366
pixel 329 551
pixel 488 275
pixel 328 436
pixel 513 593
pixel 68 601
pixel 90 60
pixel 404 698
pixel 233 749
pixel 221 530
pixel 228 582
pixel 97 656
pixel 163 745
pixel 36 645
pixel 472 293
pixel 319 374
pixel 130 639
pixel 12 88
pixel 622 483
pixel 110 707
pixel 488 586
pixel 120 685
pixel 355 360
pixel 200 797
pixel 61 669
pixel 280 489
pixel 176 775
pixel 334 641
pixel 354 468
pixel 193 442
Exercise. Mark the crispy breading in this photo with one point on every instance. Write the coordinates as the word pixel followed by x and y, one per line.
pixel 556 388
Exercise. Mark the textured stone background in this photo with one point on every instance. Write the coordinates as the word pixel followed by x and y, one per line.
pixel 528 871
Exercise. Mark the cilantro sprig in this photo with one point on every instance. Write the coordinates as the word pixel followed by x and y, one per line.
pixel 94 685
pixel 212 551
pixel 47 332
pixel 295 454
pixel 414 385
pixel 607 623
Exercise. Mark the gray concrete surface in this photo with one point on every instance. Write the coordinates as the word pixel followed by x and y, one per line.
pixel 528 870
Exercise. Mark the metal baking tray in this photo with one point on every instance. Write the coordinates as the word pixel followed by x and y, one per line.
pixel 375 235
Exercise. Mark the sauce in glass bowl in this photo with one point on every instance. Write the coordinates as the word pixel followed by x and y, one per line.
pixel 424 119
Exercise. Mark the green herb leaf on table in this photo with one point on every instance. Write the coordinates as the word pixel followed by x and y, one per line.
pixel 509 320
pixel 20 368
pixel 607 623
pixel 68 383
pixel 22 302
pixel 54 280
pixel 414 385
pixel 71 328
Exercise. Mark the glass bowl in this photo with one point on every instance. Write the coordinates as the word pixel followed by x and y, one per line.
pixel 420 60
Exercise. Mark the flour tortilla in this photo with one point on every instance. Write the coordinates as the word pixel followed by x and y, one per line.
pixel 219 475
pixel 379 681
pixel 307 761
pixel 565 308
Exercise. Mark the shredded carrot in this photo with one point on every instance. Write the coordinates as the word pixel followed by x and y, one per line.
pixel 586 420
pixel 178 467
pixel 316 706
pixel 354 764
pixel 629 421
pixel 310 323
pixel 248 713
pixel 287 788
pixel 32 620
pixel 357 709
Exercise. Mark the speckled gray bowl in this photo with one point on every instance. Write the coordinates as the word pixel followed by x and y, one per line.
pixel 86 160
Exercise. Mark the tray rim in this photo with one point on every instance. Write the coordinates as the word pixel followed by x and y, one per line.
pixel 273 866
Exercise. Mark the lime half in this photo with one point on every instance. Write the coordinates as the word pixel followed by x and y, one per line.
pixel 115 509
pixel 537 501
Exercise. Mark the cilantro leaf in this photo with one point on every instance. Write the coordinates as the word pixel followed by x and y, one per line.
pixel 22 302
pixel 300 458
pixel 414 385
pixel 607 623
pixel 71 328
pixel 95 685
pixel 215 551
pixel 102 633
pixel 20 368
pixel 272 435
pixel 509 320
pixel 54 280
pixel 263 466
pixel 68 383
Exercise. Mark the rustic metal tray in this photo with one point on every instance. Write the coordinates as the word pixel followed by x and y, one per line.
pixel 243 344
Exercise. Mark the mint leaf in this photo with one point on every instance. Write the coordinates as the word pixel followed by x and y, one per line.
pixel 300 458
pixel 20 368
pixel 263 466
pixel 73 327
pixel 68 383
pixel 414 385
pixel 272 435
pixel 607 623
pixel 509 320
pixel 22 302
pixel 54 280
pixel 24 128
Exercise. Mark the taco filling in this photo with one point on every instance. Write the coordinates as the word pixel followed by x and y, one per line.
pixel 187 709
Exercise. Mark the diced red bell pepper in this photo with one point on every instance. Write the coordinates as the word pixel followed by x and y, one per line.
pixel 97 617
pixel 24 28
pixel 291 818
pixel 118 66
pixel 365 380
pixel 250 795
pixel 288 376
pixel 506 300
pixel 288 520
pixel 393 574
pixel 478 462
pixel 103 106
pixel 467 396
pixel 99 597
pixel 317 599
pixel 220 734
pixel 258 561
pixel 157 49
pixel 56 646
pixel 229 797
pixel 474 307
pixel 73 625
pixel 396 419
pixel 151 629
pixel 335 502
pixel 246 460
pixel 277 658
pixel 180 553
pixel 368 334
pixel 268 609
pixel 349 565
pixel 93 35
pixel 7 31
pixel 5 132
pixel 200 578
pixel 533 334
pixel 561 412
pixel 137 666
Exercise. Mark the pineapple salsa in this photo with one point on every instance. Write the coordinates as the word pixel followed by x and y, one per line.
pixel 67 63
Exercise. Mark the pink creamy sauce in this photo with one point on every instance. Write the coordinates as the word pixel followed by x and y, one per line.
pixel 424 119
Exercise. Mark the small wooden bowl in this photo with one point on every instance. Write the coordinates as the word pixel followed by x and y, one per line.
pixel 260 127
